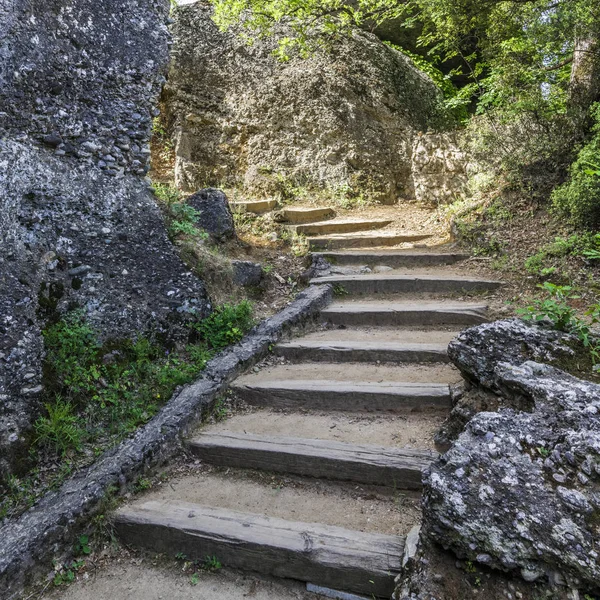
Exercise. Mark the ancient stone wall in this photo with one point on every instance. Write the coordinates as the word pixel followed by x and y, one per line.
pixel 346 117
pixel 79 227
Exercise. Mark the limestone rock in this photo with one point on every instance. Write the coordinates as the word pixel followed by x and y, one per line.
pixel 476 351
pixel 344 117
pixel 79 227
pixel 440 168
pixel 246 272
pixel 214 213
pixel 520 488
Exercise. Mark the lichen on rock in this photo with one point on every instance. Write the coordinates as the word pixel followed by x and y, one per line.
pixel 520 488
pixel 79 226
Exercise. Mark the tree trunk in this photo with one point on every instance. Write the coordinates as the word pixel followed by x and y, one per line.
pixel 585 76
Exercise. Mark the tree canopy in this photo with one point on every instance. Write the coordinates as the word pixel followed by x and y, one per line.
pixel 518 55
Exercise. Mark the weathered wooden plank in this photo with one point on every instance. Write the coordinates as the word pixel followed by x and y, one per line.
pixel 357 351
pixel 405 313
pixel 342 396
pixel 363 563
pixel 365 241
pixel 327 459
pixel 253 206
pixel 395 259
pixel 391 283
pixel 341 226
pixel 298 215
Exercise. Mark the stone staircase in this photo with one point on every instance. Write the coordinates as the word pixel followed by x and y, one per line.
pixel 355 403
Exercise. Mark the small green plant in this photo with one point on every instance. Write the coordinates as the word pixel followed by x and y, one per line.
pixel 556 309
pixel 211 564
pixel 339 290
pixel 195 579
pixel 543 452
pixel 61 429
pixel 267 268
pixel 220 411
pixel 82 546
pixel 142 484
pixel 65 574
pixel 181 556
pixel 226 325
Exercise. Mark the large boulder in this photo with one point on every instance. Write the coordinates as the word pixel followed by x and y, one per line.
pixel 214 214
pixel 346 116
pixel 520 488
pixel 79 226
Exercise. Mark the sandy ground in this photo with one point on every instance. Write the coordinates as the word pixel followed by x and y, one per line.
pixel 140 579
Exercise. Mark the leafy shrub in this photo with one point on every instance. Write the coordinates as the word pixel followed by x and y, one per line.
pixel 111 389
pixel 579 198
pixel 226 325
pixel 546 260
pixel 61 430
pixel 555 308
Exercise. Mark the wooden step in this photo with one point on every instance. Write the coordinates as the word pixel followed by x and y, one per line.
pixel 392 258
pixel 362 351
pixel 395 314
pixel 390 283
pixel 365 464
pixel 365 240
pixel 361 563
pixel 303 214
pixel 254 206
pixel 341 226
pixel 319 394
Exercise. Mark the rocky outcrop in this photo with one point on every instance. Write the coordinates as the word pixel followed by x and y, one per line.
pixel 440 168
pixel 79 227
pixel 214 214
pixel 520 489
pixel 346 117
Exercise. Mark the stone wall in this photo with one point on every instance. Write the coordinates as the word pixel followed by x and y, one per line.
pixel 79 227
pixel 440 168
pixel 345 117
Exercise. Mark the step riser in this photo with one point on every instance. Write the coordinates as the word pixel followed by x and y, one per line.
pixel 374 242
pixel 401 319
pixel 300 217
pixel 407 286
pixel 358 401
pixel 395 261
pixel 346 560
pixel 256 208
pixel 344 355
pixel 333 228
pixel 321 467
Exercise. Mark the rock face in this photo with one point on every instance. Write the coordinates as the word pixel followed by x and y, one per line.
pixel 246 272
pixel 440 168
pixel 79 227
pixel 345 118
pixel 520 489
pixel 214 213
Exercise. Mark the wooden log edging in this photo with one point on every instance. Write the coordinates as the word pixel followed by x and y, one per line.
pixel 28 543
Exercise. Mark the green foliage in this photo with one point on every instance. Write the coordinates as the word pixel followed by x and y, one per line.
pixel 556 309
pixel 226 325
pixel 211 564
pixel 61 430
pixel 454 101
pixel 579 198
pixel 82 547
pixel 65 574
pixel 548 259
pixel 181 217
pixel 112 389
